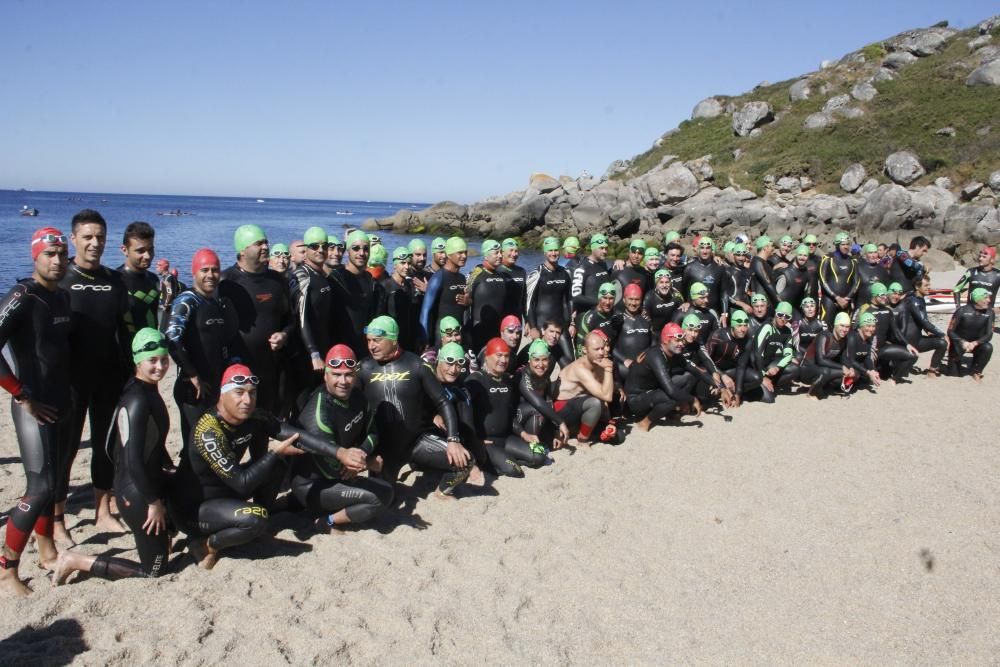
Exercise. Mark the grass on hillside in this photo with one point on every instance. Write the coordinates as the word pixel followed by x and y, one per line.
pixel 927 95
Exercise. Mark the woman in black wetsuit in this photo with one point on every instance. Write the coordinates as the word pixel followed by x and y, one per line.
pixel 136 445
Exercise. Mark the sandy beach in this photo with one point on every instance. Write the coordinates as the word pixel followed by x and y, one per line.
pixel 853 530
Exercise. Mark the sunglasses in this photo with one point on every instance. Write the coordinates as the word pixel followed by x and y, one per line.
pixel 59 239
pixel 451 332
pixel 811 244
pixel 740 323
pixel 347 363
pixel 452 361
pixel 317 246
pixel 359 248
pixel 339 246
pixel 741 254
pixel 150 346
pixel 512 330
pixel 782 316
pixel 705 245
pixel 244 379
pixel 693 327
pixel 280 254
pixel 636 250
pixel 677 336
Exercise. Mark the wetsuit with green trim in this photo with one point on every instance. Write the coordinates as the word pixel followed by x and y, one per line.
pixel 712 276
pixel 661 308
pixel 838 276
pixel 143 289
pixel 99 301
pixel 823 363
pixel 594 320
pixel 913 322
pixel 770 348
pixel 494 403
pixel 974 278
pixel 588 276
pixel 969 325
pixel 890 344
pixel 358 296
pixel 439 302
pixel 318 480
pixel 536 413
pixel 35 326
pixel 488 290
pixel 657 385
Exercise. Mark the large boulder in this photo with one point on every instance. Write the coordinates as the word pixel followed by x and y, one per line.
pixel 899 60
pixel 527 215
pixel 987 26
pixel 980 42
pixel 884 74
pixel 826 209
pixel 816 121
pixel 836 102
pixel 853 177
pixel 903 167
pixel 673 184
pixel 887 208
pixel 922 42
pixel 799 90
pixel 750 116
pixel 960 220
pixel 864 91
pixel 543 183
pixel 708 108
pixel 985 75
pixel 988 229
pixel 995 182
pixel 615 168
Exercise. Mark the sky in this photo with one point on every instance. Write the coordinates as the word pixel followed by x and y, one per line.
pixel 399 101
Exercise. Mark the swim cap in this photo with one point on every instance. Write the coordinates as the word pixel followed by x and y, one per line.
pixel 738 318
pixel 598 241
pixel 808 301
pixel 607 288
pixel 650 253
pixel 990 250
pixel 539 348
pixel 633 289
pixel 550 243
pixel 870 247
pixel 450 351
pixel 571 242
pixel 637 243
pixel 417 244
pixel 842 319
pixel 877 289
pixel 488 246
pixel 383 326
pixel 378 257
pixel 842 237
pixel 357 236
pixel 810 238
pixel 508 244
pixel 784 308
pixel 314 235
pixel 331 239
pixel 455 244
pixel 447 323
pixel 802 250
pixel 787 240
pixel 202 258
pixel 707 241
pixel 696 290
pixel 895 288
pixel 762 241
pixel 402 252
pixel 979 294
pixel 148 342
pixel 497 346
pixel 757 297
pixel 739 249
pixel 727 247
pixel 867 319
pixel 374 239
pixel 235 376
pixel 691 321
pixel 44 237
pixel 671 236
pixel 246 235
pixel 339 352
pixel 661 273
pixel 670 330
pixel 510 321
pixel 438 244
pixel 279 247
pixel 162 265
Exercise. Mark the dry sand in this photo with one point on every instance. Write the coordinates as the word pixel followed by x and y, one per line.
pixel 861 530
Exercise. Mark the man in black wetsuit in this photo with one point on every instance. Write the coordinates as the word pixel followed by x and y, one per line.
pixel 313 302
pixel 761 271
pixel 203 337
pixel 550 299
pixel 517 285
pixel 807 327
pixel 396 384
pixel 823 362
pixel 560 353
pixel 771 355
pixel 590 274
pixel 912 311
pixel 662 301
pixel 859 353
pixel 632 270
pixel 446 291
pixel 699 306
pixel 658 384
pixel 870 271
pixel 705 270
pixel 838 278
pixel 601 317
pixel 98 367
pixel 738 290
pixel 401 299
pixel 536 419
pixel 895 356
pixel 635 335
pixel 331 485
pixel 439 255
pixel 488 296
pixel 810 241
pixel 143 285
pixel 797 280
pixel 357 294
pixel 726 348
pixel 279 260
pixel 906 266
pixel 673 261
pixel 35 326
pixel 969 332
pixel 984 275
pixel 334 253
pixel 263 309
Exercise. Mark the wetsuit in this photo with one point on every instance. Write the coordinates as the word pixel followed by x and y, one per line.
pixel 977 277
pixel 762 279
pixel 439 302
pixel 535 412
pixel 838 276
pixel 858 354
pixel 489 293
pixel 317 480
pixel 517 289
pixel 494 403
pixel 143 289
pixel 359 297
pixel 822 363
pixel 738 286
pixel 35 327
pixel 401 305
pixel 868 274
pixel 890 345
pixel 594 320
pixel 99 301
pixel 905 269
pixel 794 283
pixel 967 325
pixel 588 275
pixel 396 391
pixel 771 347
pixel 561 355
pixel 658 384
pixel 633 338
pixel 314 304
pixel 712 276
pixel 709 321
pixel 633 275
pixel 661 308
pixel 203 338
pixel 913 322
pixel 805 332
pixel 550 300
pixel 728 352
pixel 263 307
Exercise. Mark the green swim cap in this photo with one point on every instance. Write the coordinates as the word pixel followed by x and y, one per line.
pixel 378 257
pixel 246 235
pixel 448 322
pixel 383 326
pixel 895 288
pixel 314 235
pixel 488 246
pixel 450 351
pixel 539 348
pixel 550 243
pixel 727 247
pixel 867 319
pixel 877 289
pixel 598 240
pixel 508 244
pixel 691 321
pixel 757 297
pixel 786 239
pixel 802 250
pixel 810 238
pixel 979 294
pixel 416 244
pixel 660 273
pixel 671 236
pixel 571 242
pixel 402 252
pixel 842 237
pixel 357 236
pixel 148 342
pixel 455 244
pixel 762 241
pixel 697 289
pixel 842 319
pixel 637 243
pixel 869 247
pixel 607 288
pixel 438 244
pixel 650 253
pixel 808 301
pixel 738 318
pixel 739 248
pixel 784 308
pixel 706 240
pixel 279 247
pixel 332 240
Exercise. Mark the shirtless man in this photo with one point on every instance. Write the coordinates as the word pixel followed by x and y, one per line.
pixel 586 388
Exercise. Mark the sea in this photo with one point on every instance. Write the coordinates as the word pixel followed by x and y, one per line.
pixel 203 222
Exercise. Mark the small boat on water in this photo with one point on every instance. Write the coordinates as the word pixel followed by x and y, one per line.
pixel 347 212
pixel 30 212
pixel 260 201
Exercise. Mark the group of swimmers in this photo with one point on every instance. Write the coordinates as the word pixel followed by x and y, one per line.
pixel 315 369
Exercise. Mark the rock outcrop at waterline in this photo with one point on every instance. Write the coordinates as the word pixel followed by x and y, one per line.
pixel 905 183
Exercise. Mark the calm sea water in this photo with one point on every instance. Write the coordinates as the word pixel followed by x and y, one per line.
pixel 211 223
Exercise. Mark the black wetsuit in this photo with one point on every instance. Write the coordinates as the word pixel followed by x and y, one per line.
pixel 143 289
pixel 727 352
pixel 913 322
pixel 594 320
pixel 535 412
pixel 974 278
pixel 712 276
pixel 805 332
pixel 263 307
pixel 99 301
pixel 633 338
pixel 439 302
pixel 770 347
pixel 823 362
pixel 661 308
pixel 905 269
pixel 550 300
pixel 494 403
pixel 401 304
pixel 838 276
pixel 588 276
pixel 890 345
pixel 795 283
pixel 517 289
pixel 970 325
pixel 358 296
pixel 314 306
pixel 868 275
pixel 317 480
pixel 858 354
pixel 633 275
pixel 658 384
pixel 561 355
pixel 709 321
pixel 738 288
pixel 488 290
pixel 35 326
pixel 762 279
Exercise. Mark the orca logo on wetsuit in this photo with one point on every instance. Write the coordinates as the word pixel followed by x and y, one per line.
pixel 502 390
pixel 457 287
pixel 214 321
pixel 94 288
pixel 59 320
pixel 14 304
pixel 354 421
pixel 325 289
pixel 636 331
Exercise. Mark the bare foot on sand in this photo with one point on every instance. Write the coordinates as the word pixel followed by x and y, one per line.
pixel 977 377
pixel 109 524
pixel 203 554
pixel 64 567
pixel 62 537
pixel 48 555
pixel 644 424
pixel 443 496
pixel 476 477
pixel 11 584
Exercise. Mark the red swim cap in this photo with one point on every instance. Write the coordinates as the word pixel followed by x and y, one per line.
pixel 495 346
pixel 339 352
pixel 633 289
pixel 237 375
pixel 162 265
pixel 510 321
pixel 671 330
pixel 202 258
pixel 990 250
pixel 43 238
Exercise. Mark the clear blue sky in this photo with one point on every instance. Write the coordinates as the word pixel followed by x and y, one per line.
pixel 411 101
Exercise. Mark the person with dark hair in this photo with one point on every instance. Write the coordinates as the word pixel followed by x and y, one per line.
pixel 969 332
pixel 673 261
pixel 705 270
pixel 983 275
pixel 143 285
pixel 98 367
pixel 590 275
pixel 560 350
pixel 659 382
pixel 488 296
pixel 359 295
pixel 446 291
pixel 906 267
pixel 913 316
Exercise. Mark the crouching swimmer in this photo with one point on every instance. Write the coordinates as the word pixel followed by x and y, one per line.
pixel 536 419
pixel 586 388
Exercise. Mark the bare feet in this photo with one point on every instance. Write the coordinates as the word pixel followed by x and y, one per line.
pixel 476 477
pixel 11 584
pixel 62 537
pixel 203 554
pixel 443 496
pixel 64 568
pixel 977 377
pixel 109 524
pixel 933 373
pixel 47 552
pixel 644 424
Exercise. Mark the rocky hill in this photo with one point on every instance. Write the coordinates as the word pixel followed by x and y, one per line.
pixel 898 138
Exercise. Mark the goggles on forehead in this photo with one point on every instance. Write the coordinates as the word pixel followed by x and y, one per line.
pixel 57 239
pixel 452 361
pixel 280 254
pixel 346 363
pixel 607 292
pixel 451 332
